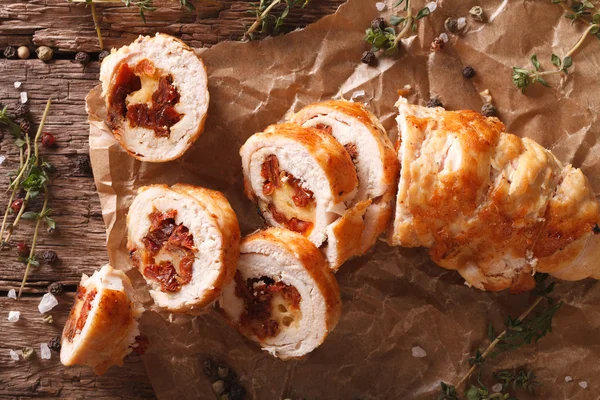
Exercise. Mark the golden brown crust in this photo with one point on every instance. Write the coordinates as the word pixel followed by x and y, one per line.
pixel 347 231
pixel 312 260
pixel 329 154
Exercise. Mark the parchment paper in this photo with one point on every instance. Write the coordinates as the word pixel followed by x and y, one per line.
pixel 393 298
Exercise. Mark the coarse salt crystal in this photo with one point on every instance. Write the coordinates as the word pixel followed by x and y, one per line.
pixel 17 84
pixel 497 388
pixel 48 303
pixel 461 22
pixel 357 93
pixel 14 355
pixel 45 351
pixel 380 6
pixel 568 378
pixel 418 352
pixel 13 316
pixel 12 294
pixel 23 97
pixel 444 37
pixel 2 159
pixel 583 384
pixel 432 5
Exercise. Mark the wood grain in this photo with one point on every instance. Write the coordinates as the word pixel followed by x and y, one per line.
pixel 80 237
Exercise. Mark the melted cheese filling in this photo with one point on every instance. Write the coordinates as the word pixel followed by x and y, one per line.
pixel 144 95
pixel 283 313
pixel 282 199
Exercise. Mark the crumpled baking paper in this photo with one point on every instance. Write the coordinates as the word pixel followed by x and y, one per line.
pixel 394 299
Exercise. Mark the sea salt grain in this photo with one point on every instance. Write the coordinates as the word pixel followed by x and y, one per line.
pixel 12 294
pixel 48 303
pixel 380 6
pixel 13 316
pixel 432 5
pixel 17 84
pixel 14 355
pixel 497 388
pixel 461 22
pixel 358 93
pixel 568 378
pixel 2 158
pixel 444 37
pixel 45 351
pixel 418 352
pixel 23 97
pixel 583 384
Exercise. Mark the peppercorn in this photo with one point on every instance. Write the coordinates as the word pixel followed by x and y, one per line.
pixel 218 387
pixel 16 205
pixel 596 229
pixel 48 139
pixel 434 102
pixel 103 54
pixel 82 165
pixel 82 58
pixel 21 109
pixel 237 392
pixel 477 14
pixel 28 353
pixel 22 249
pixel 489 110
pixel 369 58
pixel 55 288
pixel 451 24
pixel 25 126
pixel 378 24
pixel 45 53
pixel 223 371
pixel 10 52
pixel 468 72
pixel 50 256
pixel 54 344
pixel 23 52
pixel 210 369
pixel 437 44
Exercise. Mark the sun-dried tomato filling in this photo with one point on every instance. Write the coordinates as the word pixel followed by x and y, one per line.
pixel 159 114
pixel 261 316
pixel 79 312
pixel 168 253
pixel 281 186
pixel 350 147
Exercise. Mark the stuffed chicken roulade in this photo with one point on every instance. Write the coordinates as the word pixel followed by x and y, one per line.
pixel 371 151
pixel 284 296
pixel 185 242
pixel 102 326
pixel 303 180
pixel 489 204
pixel 156 96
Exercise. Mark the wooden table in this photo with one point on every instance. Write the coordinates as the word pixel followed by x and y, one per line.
pixel 80 237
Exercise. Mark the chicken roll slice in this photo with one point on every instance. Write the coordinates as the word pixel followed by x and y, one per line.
pixel 302 179
pixel 156 96
pixel 372 153
pixel 102 326
pixel 185 242
pixel 489 204
pixel 284 296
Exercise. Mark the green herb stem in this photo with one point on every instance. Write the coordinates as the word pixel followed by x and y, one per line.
pixel 266 12
pixel 40 128
pixel 493 344
pixel 97 26
pixel 33 243
pixel 582 39
pixel 12 197
pixel 407 23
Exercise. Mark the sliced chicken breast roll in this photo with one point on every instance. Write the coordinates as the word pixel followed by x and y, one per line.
pixel 284 296
pixel 102 326
pixel 304 180
pixel 156 95
pixel 372 153
pixel 489 204
pixel 185 242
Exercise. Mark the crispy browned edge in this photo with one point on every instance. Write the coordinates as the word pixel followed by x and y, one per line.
pixel 117 132
pixel 312 260
pixel 330 155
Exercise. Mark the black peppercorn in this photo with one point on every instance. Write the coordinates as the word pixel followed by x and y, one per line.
pixel 451 25
pixel 237 392
pixel 50 256
pixel 378 24
pixel 369 58
pixel 55 288
pixel 103 54
pixel 434 102
pixel 468 72
pixel 10 52
pixel 82 58
pixel 210 369
pixel 54 344
pixel 21 109
pixel 596 229
pixel 489 110
pixel 82 165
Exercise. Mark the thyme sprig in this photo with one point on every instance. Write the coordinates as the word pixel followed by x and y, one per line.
pixel 386 39
pixel 33 177
pixel 270 17
pixel 532 325
pixel 576 11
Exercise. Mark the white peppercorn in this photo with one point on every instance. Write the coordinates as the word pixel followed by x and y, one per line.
pixel 23 52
